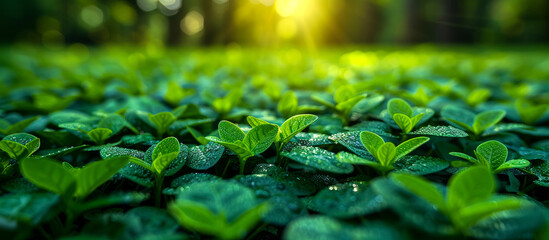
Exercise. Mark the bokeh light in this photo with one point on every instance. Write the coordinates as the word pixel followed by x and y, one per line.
pixel 192 23
pixel 92 16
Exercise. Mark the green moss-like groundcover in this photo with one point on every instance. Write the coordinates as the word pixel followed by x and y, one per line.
pixel 232 144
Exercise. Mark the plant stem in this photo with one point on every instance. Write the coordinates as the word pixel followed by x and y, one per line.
pixel 242 164
pixel 44 233
pixel 225 169
pixel 257 231
pixel 158 190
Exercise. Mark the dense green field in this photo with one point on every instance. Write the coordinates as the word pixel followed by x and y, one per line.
pixel 236 143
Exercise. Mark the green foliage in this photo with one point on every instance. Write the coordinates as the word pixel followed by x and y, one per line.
pixel 493 155
pixel 402 114
pixel 20 145
pixel 224 210
pixel 386 153
pixel 256 141
pixel 467 120
pixel 176 93
pixel 53 176
pixel 162 121
pixel 7 128
pixel 470 197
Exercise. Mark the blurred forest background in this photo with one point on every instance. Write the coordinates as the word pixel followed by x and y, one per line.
pixel 56 23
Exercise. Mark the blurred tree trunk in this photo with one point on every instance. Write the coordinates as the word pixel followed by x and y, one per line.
pixel 209 23
pixel 174 28
pixel 413 28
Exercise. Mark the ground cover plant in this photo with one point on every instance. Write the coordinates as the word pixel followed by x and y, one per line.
pixel 412 143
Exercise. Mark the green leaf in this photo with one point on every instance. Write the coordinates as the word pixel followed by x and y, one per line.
pixel 465 156
pixel 349 104
pixel 404 122
pixel 422 188
pixel 415 119
pixel 99 135
pixel 487 119
pixel 318 158
pixel 20 145
pixel 440 131
pixel 17 127
pixel 260 138
pixel 420 165
pixel 13 149
pixel 386 154
pixel 205 156
pixel 254 122
pixel 164 153
pixel 350 158
pixel 397 105
pixel 494 152
pixel 237 147
pixel 197 135
pixel 213 207
pixel 515 163
pixel 288 105
pixel 48 174
pixel 471 214
pixel 176 93
pixel 114 122
pixel 229 132
pixel 472 185
pixel 347 200
pixel 409 146
pixel 295 125
pixel 459 116
pixel 96 173
pixel 245 222
pixel 197 217
pixel 162 121
pixel 371 142
pixel 530 113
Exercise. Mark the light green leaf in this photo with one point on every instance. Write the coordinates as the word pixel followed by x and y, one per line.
pixel 472 185
pixel 440 131
pixel 237 147
pixel 164 153
pixel 409 146
pixel 197 217
pixel 260 138
pixel 346 157
pixel 487 119
pixel 397 105
pixel 465 156
pixel 288 104
pixel 96 173
pixel 48 174
pixel 471 214
pixel 254 122
pixel 229 132
pixel 245 222
pixel 422 188
pixel 403 121
pixel 415 119
pixel 17 127
pixel 349 104
pixel 459 116
pixel 386 154
pixel 99 135
pixel 515 163
pixel 13 149
pixel 494 152
pixel 371 142
pixel 295 125
pixel 162 121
